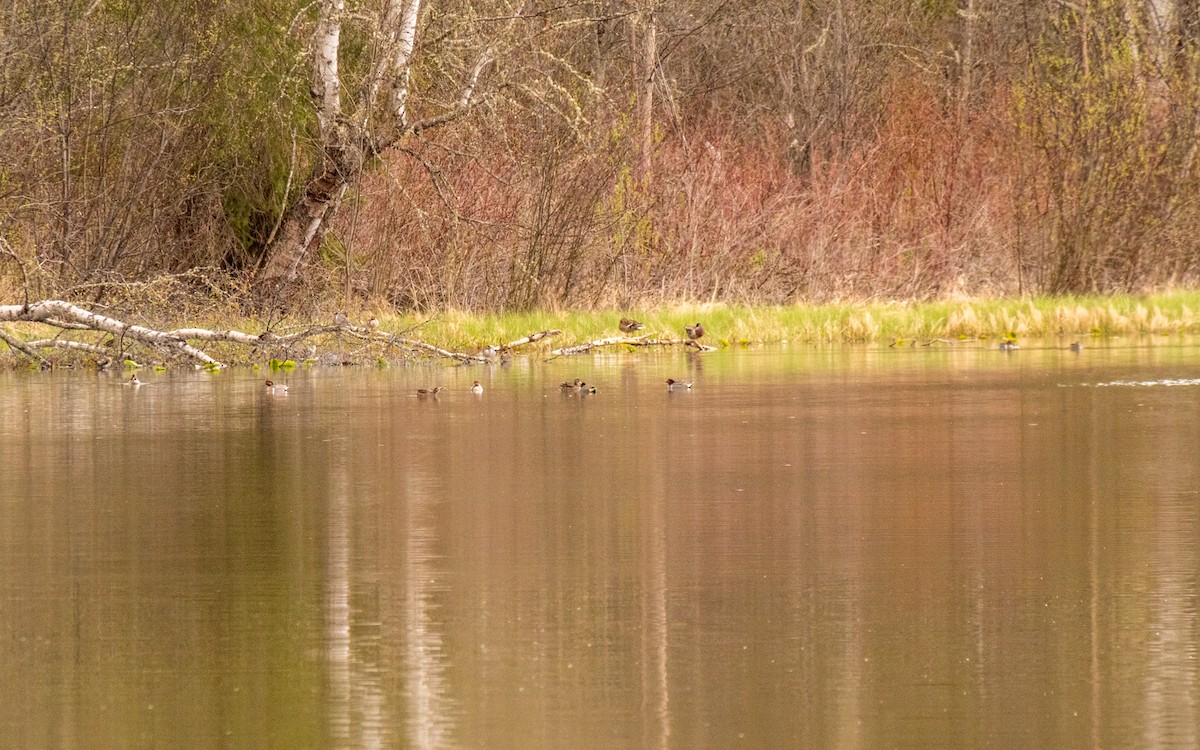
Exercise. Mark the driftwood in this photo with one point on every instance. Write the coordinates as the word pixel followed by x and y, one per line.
pixel 532 338
pixel 488 354
pixel 69 317
pixel 65 315
pixel 22 347
pixel 588 346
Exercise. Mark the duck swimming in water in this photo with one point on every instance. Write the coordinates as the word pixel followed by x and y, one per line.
pixel 675 385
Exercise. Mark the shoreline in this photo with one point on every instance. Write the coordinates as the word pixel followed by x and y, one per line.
pixel 892 323
pixel 1176 312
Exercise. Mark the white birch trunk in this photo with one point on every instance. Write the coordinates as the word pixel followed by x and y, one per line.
pixel 348 145
pixel 327 88
pixel 401 64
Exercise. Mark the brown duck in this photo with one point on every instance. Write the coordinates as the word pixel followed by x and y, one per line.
pixel 628 325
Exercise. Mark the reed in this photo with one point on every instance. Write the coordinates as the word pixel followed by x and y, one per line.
pixel 731 325
pixel 896 323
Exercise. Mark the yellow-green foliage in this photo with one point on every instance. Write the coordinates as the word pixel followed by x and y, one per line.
pixel 899 324
pixel 1107 172
pixel 732 324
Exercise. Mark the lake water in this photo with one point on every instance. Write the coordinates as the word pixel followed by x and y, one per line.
pixel 854 547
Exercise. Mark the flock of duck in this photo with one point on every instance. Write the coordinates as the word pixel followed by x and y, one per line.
pixel 573 387
pixel 576 386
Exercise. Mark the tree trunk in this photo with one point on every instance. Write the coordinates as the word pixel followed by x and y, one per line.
pixel 346 144
pixel 644 69
pixel 305 224
pixel 307 221
pixel 303 229
pixel 969 14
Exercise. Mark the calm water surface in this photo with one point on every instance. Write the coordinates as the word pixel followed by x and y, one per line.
pixel 850 548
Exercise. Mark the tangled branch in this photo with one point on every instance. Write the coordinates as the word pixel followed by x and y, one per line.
pixel 178 342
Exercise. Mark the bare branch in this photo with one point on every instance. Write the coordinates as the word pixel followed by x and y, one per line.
pixel 81 346
pixel 7 250
pixel 466 101
pixel 287 191
pixel 20 346
pixel 532 338
pixel 50 311
pixel 588 346
pixel 68 316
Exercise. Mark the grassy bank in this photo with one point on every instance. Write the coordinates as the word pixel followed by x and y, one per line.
pixel 882 323
pixel 1167 313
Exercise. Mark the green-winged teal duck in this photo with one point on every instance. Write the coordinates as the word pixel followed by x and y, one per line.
pixel 628 325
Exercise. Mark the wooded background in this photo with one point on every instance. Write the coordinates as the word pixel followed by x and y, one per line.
pixel 509 155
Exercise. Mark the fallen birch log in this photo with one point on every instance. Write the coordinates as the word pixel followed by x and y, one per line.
pixel 588 346
pixel 70 317
pixel 427 347
pixel 22 347
pixel 81 346
pixel 66 315
pixel 533 338
pixel 368 334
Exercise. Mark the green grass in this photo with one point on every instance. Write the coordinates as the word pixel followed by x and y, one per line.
pixel 733 325
pixel 1167 313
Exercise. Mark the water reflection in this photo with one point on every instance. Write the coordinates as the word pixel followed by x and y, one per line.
pixel 850 548
pixel 431 706
pixel 1170 680
pixel 656 648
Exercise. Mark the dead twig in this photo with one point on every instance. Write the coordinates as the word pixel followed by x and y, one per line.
pixel 22 347
pixel 66 316
pixel 588 346
pixel 533 338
